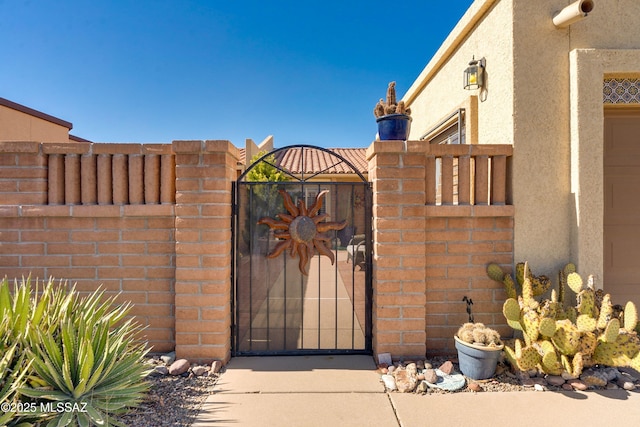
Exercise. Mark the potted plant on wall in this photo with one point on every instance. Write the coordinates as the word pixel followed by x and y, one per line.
pixel 393 118
pixel 479 348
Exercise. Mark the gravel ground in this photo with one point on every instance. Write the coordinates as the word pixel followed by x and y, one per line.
pixel 171 401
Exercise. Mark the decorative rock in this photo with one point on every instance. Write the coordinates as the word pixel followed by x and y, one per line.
pixel 412 369
pixel 389 382
pixel 168 358
pixel 391 368
pixel 567 387
pixel 422 387
pixel 405 382
pixel 215 367
pixel 539 381
pixel 446 367
pixel 539 387
pixel 428 365
pixel 420 365
pixel 383 371
pixel 555 380
pixel 420 377
pixel 625 384
pixel 179 367
pixel 475 387
pixel 593 378
pixel 611 374
pixel 199 370
pixel 567 376
pixel 527 382
pixel 430 376
pixel 578 385
pixel 160 370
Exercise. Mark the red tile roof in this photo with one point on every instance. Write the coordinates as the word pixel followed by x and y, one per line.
pixel 319 161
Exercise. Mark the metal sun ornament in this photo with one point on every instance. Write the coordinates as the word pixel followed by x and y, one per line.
pixel 302 230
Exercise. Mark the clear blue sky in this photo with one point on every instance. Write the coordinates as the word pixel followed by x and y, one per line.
pixel 307 72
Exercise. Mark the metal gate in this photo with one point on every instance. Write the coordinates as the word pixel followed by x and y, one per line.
pixel 302 255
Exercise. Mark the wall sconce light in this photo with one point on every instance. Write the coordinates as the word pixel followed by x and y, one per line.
pixel 474 74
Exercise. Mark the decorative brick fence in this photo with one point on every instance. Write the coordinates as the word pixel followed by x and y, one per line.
pixel 153 222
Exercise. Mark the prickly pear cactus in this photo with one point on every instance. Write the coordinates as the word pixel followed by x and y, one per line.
pixel 561 338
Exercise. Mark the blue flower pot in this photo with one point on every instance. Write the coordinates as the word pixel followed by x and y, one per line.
pixel 477 362
pixel 394 127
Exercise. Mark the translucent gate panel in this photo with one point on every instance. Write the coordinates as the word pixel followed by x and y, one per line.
pixel 288 298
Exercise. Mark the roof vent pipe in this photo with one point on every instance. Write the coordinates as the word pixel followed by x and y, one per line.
pixel 573 13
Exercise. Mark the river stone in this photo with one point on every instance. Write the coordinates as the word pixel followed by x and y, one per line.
pixel 627 385
pixel 578 385
pixel 446 367
pixel 412 369
pixel 215 367
pixel 430 376
pixel 389 382
pixel 199 370
pixel 567 387
pixel 593 378
pixel 179 367
pixel 555 380
pixel 474 387
pixel 168 358
pixel 160 370
pixel 405 381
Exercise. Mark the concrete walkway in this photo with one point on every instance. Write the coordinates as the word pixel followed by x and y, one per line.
pixel 309 391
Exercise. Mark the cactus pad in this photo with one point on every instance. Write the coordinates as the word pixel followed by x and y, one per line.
pixel 494 271
pixel 511 309
pixel 574 281
pixel 611 332
pixel 606 311
pixel 509 286
pixel 529 358
pixel 630 316
pixel 547 327
pixel 586 323
pixel 567 337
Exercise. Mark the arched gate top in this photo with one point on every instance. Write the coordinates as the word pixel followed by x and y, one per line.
pixel 304 162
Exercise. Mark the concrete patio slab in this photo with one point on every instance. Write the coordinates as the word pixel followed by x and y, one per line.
pixel 522 409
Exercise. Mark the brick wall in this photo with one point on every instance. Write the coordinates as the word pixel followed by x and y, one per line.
pixel 428 256
pixel 127 250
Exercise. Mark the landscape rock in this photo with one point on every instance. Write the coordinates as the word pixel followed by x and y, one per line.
pixel 161 370
pixel 412 369
pixel 168 358
pixel 446 367
pixel 627 385
pixel 389 382
pixel 198 370
pixel 430 376
pixel 577 384
pixel 179 367
pixel 216 366
pixel 594 378
pixel 555 380
pixel 475 387
pixel 422 387
pixel 405 381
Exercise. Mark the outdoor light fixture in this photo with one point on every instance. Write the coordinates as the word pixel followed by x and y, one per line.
pixel 474 74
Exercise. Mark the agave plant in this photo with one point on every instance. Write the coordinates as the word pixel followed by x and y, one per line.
pixel 90 363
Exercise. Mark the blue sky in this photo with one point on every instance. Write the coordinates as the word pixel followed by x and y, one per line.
pixel 158 71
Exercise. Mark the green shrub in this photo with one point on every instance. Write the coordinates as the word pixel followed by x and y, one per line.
pixel 86 366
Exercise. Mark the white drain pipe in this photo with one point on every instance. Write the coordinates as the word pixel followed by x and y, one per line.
pixel 573 13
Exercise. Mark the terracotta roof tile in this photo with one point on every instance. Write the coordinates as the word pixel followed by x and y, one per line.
pixel 309 161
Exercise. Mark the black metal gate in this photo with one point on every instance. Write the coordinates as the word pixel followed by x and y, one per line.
pixel 302 255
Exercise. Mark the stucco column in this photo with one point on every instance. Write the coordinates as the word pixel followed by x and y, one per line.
pixel 397 173
pixel 204 172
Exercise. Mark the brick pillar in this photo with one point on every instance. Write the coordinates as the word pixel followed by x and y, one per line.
pixel 204 172
pixel 397 173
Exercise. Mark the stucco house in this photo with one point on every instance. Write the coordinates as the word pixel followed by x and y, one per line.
pixel 567 98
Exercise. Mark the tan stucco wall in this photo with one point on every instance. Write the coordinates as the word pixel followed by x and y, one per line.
pixel 541 102
pixel 19 126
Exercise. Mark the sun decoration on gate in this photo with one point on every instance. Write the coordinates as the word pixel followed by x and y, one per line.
pixel 302 230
